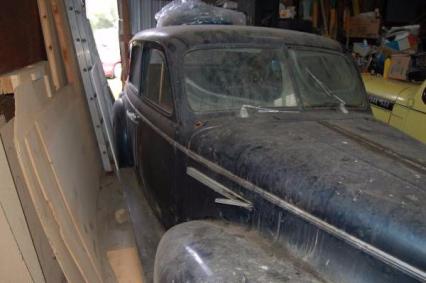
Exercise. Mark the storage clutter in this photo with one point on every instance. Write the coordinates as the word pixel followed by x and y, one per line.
pixel 384 47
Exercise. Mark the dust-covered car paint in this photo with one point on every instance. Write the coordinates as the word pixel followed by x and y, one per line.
pixel 331 192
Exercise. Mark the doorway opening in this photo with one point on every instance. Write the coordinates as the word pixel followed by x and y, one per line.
pixel 104 20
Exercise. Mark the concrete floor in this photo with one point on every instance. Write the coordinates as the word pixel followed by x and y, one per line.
pixel 128 231
pixel 147 229
pixel 120 259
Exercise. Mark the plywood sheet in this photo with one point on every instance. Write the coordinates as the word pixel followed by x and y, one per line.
pixel 11 206
pixel 49 265
pixel 60 161
pixel 12 267
pixel 30 100
pixel 73 158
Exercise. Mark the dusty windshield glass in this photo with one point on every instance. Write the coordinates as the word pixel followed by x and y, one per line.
pixel 326 78
pixel 228 78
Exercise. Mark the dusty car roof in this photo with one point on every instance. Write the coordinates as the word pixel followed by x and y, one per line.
pixel 191 35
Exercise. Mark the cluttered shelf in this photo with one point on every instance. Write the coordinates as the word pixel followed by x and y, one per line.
pixel 385 37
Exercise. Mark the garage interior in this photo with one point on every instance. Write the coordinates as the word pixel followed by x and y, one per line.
pixel 68 212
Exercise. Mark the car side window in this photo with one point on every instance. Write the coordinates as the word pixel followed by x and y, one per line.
pixel 156 85
pixel 135 63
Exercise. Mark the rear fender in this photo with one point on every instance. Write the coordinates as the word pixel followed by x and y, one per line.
pixel 122 142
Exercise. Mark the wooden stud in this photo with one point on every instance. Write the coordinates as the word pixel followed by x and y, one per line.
pixel 5 85
pixel 52 45
pixel 65 41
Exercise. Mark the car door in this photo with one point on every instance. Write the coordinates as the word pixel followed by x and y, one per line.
pixel 156 132
pixel 132 90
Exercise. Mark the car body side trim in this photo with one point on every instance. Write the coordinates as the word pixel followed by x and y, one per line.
pixel 321 224
pixel 231 197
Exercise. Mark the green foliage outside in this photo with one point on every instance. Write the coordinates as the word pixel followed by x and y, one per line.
pixel 102 13
pixel 101 20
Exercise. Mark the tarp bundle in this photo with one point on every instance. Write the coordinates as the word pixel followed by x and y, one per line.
pixel 195 12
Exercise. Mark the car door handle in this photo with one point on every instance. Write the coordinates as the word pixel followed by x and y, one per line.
pixel 132 116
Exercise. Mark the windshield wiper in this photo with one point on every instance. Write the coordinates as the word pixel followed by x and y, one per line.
pixel 329 92
pixel 244 113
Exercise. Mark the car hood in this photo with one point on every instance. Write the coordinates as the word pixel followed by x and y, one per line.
pixel 354 173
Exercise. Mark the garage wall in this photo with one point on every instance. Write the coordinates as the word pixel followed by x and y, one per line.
pixel 22 37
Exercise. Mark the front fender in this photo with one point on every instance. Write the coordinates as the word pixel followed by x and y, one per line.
pixel 206 251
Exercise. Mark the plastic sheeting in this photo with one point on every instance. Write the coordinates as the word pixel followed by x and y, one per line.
pixel 193 12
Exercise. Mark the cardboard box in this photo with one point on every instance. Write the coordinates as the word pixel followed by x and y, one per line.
pixel 407 42
pixel 364 27
pixel 400 66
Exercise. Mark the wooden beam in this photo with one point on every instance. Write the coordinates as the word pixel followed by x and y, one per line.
pixel 5 85
pixel 126 265
pixel 52 44
pixel 125 36
pixel 65 41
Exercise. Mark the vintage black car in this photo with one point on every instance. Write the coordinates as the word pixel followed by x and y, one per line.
pixel 257 148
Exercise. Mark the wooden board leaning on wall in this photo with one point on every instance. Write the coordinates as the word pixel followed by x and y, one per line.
pixel 49 264
pixel 57 152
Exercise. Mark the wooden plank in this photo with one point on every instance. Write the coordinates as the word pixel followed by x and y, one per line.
pixel 52 45
pixel 126 265
pixel 37 71
pixel 12 209
pixel 50 267
pixel 125 36
pixel 65 41
pixel 5 85
pixel 116 235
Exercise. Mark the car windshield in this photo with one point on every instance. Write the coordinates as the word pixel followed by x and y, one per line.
pixel 222 79
pixel 228 78
pixel 326 78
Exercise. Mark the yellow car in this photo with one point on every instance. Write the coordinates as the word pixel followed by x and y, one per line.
pixel 399 104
